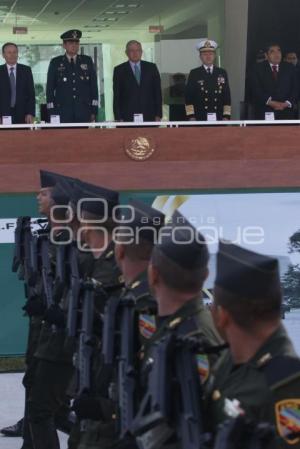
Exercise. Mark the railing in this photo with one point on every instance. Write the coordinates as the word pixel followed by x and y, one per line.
pixel 162 124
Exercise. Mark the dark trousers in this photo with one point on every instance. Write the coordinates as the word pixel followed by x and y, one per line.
pixel 46 397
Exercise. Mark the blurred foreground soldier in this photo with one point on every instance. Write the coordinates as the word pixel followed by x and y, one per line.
pixel 48 349
pixel 137 88
pixel 259 377
pixel 133 314
pixel 175 362
pixel 96 228
pixel 72 90
pixel 274 87
pixel 17 95
pixel 207 95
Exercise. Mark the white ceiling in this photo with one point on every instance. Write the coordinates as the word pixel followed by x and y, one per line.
pixel 99 20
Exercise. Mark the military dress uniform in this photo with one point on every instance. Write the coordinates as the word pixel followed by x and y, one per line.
pixel 104 432
pixel 265 387
pixel 72 90
pixel 190 321
pixel 207 90
pixel 208 93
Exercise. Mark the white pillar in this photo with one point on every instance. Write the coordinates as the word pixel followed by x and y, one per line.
pixel 235 49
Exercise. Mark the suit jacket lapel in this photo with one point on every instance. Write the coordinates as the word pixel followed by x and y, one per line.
pixel 18 80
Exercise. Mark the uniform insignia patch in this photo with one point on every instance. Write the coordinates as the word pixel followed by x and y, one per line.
pixel 109 255
pixel 203 367
pixel 288 420
pixel 147 325
pixel 200 82
pixel 84 66
pixel 61 68
pixel 221 80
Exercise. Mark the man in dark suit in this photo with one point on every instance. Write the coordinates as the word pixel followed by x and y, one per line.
pixel 137 88
pixel 274 86
pixel 207 95
pixel 72 90
pixel 17 95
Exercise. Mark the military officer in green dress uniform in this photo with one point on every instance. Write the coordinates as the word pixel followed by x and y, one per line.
pixel 72 90
pixel 176 273
pixel 207 95
pixel 259 377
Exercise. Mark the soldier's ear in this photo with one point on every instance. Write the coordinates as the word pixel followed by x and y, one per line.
pixel 220 316
pixel 153 276
pixel 119 252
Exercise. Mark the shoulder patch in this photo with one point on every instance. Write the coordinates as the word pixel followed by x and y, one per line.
pixel 288 420
pixel 203 367
pixel 147 325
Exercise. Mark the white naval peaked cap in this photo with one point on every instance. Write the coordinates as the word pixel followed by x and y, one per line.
pixel 206 45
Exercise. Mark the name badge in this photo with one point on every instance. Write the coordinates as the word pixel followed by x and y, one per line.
pixel 138 118
pixel 55 119
pixel 269 116
pixel 211 117
pixel 6 120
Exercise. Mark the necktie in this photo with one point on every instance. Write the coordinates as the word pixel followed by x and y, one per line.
pixel 72 62
pixel 137 73
pixel 208 70
pixel 275 72
pixel 12 81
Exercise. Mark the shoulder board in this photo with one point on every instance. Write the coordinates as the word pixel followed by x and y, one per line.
pixel 281 370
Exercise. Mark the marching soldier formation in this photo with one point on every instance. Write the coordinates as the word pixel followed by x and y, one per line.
pixel 122 352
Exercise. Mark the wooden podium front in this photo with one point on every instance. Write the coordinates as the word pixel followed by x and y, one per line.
pixel 178 158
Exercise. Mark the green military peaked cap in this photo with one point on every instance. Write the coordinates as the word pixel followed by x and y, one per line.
pixel 245 272
pixel 182 243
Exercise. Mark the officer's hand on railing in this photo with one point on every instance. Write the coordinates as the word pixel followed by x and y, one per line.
pixel 87 407
pixel 55 315
pixel 93 117
pixel 34 307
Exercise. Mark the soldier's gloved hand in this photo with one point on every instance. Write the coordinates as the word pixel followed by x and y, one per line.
pixel 55 315
pixel 34 307
pixel 87 407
